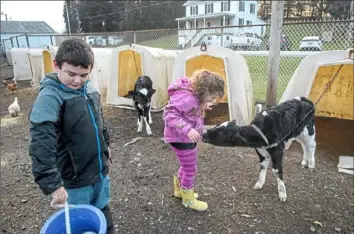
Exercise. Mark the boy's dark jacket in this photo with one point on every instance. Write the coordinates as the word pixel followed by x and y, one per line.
pixel 69 144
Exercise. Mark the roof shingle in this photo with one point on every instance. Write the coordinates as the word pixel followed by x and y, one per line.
pixel 29 27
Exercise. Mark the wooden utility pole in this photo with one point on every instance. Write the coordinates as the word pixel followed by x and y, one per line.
pixel 67 15
pixel 274 52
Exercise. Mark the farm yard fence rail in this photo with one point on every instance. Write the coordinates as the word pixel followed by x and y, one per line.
pixel 250 40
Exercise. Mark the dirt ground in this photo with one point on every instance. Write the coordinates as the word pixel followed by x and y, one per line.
pixel 142 188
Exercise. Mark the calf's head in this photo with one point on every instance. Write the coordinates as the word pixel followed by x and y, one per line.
pixel 224 134
pixel 143 96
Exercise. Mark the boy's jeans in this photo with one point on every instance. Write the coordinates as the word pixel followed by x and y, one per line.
pixel 97 194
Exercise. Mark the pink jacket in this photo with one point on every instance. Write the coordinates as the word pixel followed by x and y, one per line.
pixel 182 112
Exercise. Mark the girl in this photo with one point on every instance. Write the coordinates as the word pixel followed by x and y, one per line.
pixel 184 120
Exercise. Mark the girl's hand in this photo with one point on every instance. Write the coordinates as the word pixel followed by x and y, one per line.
pixel 193 135
pixel 208 106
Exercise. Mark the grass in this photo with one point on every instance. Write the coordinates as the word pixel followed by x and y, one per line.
pixel 340 39
pixel 258 65
pixel 258 68
pixel 165 42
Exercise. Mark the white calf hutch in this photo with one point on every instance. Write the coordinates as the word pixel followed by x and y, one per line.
pixel 48 55
pixel 131 61
pixel 312 76
pixel 101 71
pixel 21 61
pixel 233 68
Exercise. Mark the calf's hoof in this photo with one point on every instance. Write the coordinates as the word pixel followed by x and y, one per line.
pixel 148 132
pixel 311 169
pixel 282 197
pixel 258 186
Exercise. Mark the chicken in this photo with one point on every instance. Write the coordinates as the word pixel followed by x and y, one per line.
pixel 11 86
pixel 14 108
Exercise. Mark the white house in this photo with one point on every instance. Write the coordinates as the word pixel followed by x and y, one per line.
pixel 209 14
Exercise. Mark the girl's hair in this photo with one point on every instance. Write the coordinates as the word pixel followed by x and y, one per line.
pixel 206 83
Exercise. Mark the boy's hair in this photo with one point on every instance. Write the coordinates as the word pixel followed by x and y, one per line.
pixel 76 52
pixel 207 83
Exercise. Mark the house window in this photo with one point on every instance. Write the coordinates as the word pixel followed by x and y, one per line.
pixel 224 6
pixel 241 21
pixel 209 24
pixel 226 20
pixel 249 22
pixel 241 6
pixel 252 8
pixel 209 38
pixel 209 8
pixel 194 10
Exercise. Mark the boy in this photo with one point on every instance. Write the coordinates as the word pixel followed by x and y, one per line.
pixel 69 145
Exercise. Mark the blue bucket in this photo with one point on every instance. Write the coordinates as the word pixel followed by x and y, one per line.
pixel 83 218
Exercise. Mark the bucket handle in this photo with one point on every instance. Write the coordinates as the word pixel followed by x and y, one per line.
pixel 67 217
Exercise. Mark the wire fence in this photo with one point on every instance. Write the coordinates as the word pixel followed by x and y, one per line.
pixel 251 40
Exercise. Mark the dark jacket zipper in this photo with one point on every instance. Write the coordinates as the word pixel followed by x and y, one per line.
pixel 73 164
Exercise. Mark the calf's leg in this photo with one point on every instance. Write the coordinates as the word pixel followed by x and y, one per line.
pixel 308 143
pixel 277 164
pixel 150 119
pixel 264 163
pixel 146 120
pixel 140 120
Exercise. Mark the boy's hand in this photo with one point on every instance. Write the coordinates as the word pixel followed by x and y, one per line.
pixel 59 196
pixel 193 135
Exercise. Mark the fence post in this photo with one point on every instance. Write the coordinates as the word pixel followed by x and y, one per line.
pixel 274 52
pixel 222 36
pixel 3 45
pixel 12 43
pixel 134 41
pixel 51 39
pixel 27 40
pixel 18 45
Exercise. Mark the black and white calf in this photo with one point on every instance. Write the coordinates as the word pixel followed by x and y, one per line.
pixel 142 94
pixel 268 133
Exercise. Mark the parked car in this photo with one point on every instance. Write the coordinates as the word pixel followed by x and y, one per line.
pixel 313 43
pixel 246 41
pixel 285 43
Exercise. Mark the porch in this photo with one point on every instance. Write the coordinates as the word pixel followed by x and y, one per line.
pixel 191 31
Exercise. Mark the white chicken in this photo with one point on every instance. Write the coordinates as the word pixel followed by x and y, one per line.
pixel 14 108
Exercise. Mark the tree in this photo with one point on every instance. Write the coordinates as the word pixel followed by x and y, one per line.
pixel 73 17
pixel 338 9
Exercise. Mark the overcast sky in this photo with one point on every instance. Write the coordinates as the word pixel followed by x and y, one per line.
pixel 48 11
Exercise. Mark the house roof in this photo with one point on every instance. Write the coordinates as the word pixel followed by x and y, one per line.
pixel 187 3
pixel 29 27
pixel 206 16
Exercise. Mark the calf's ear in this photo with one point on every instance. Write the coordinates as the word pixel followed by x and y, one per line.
pixel 151 92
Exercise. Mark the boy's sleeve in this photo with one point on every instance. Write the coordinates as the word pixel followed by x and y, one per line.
pixel 178 105
pixel 43 146
pixel 105 130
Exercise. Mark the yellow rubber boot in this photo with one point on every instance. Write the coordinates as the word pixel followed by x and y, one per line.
pixel 189 201
pixel 177 188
